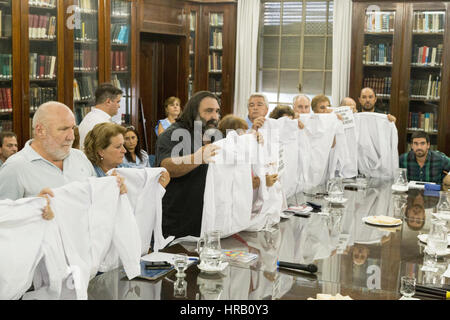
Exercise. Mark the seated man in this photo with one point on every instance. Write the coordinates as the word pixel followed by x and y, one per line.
pixel 8 145
pixel 423 164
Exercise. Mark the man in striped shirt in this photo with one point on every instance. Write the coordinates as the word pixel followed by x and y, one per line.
pixel 423 164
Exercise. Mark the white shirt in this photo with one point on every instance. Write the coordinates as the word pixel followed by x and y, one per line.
pixel 94 117
pixel 26 173
pixel 377 145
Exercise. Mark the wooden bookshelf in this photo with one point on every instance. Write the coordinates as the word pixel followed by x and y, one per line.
pixel 420 75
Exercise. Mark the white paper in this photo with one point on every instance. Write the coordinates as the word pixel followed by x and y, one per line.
pixel 347 115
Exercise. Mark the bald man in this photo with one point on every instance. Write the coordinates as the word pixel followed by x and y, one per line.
pixel 301 104
pixel 367 99
pixel 349 102
pixel 47 161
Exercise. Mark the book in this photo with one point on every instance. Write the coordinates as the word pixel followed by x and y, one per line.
pixel 239 256
pixel 153 274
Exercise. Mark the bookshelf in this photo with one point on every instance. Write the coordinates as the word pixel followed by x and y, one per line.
pixel 215 58
pixel 6 67
pixel 378 55
pixel 85 56
pixel 404 55
pixel 120 65
pixel 426 73
pixel 192 51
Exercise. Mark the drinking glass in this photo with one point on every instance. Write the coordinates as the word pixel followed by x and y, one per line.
pixel 408 286
pixel 211 251
pixel 437 237
pixel 335 189
pixel 361 181
pixel 180 288
pixel 443 206
pixel 180 261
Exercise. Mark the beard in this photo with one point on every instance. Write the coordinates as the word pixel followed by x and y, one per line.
pixel 419 153
pixel 57 152
pixel 368 106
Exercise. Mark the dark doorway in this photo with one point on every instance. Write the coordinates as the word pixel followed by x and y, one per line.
pixel 162 72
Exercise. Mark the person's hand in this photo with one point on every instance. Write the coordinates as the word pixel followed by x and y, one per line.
pixel 271 179
pixel 391 118
pixel 206 153
pixel 120 182
pixel 47 213
pixel 258 123
pixel 256 182
pixel 446 181
pixel 259 137
pixel 164 179
pixel 339 116
pixel 301 125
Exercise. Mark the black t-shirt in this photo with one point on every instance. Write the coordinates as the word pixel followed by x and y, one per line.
pixel 182 204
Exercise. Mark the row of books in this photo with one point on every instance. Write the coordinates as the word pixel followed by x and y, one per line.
pixel 5 100
pixel 215 85
pixel 120 8
pixel 40 95
pixel 85 60
pixel 123 84
pixel 380 53
pixel 84 88
pixel 215 62
pixel 427 122
pixel 5 66
pixel 6 125
pixel 81 112
pixel 191 45
pixel 379 22
pixel 42 26
pixel 119 60
pixel 429 22
pixel 120 33
pixel 42 3
pixel 215 39
pixel 427 56
pixel 426 89
pixel 382 86
pixel 216 19
pixel 86 6
pixel 86 32
pixel 42 67
pixel 5 24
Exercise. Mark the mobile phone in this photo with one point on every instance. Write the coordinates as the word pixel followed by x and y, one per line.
pixel 157 265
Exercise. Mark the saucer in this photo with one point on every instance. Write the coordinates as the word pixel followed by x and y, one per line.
pixel 336 201
pixel 206 269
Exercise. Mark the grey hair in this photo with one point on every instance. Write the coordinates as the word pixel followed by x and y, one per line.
pixel 344 103
pixel 41 114
pixel 301 96
pixel 259 95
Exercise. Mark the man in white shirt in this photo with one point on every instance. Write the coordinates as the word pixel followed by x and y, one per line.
pixel 47 161
pixel 8 145
pixel 107 100
pixel 301 104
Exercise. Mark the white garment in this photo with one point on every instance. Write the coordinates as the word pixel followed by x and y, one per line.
pixel 227 203
pixel 377 145
pixel 315 142
pixel 94 117
pixel 145 194
pixel 92 218
pixel 23 244
pixel 26 173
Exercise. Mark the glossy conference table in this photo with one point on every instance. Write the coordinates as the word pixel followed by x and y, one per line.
pixel 353 258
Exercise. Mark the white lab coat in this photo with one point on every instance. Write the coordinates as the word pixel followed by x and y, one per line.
pixel 377 145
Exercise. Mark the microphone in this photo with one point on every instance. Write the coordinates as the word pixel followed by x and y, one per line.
pixel 312 268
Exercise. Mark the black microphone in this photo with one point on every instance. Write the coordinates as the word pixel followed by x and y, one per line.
pixel 304 267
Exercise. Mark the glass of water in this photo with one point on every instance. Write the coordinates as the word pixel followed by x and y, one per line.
pixel 361 181
pixel 180 288
pixel 437 237
pixel 180 262
pixel 408 286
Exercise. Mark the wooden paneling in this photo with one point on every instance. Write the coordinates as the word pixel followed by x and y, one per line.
pixel 162 17
pixel 17 76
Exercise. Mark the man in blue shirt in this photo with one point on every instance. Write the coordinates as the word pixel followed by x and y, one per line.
pixel 423 164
